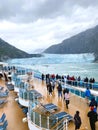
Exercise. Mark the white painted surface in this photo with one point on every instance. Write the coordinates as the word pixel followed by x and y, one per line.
pixel 24 102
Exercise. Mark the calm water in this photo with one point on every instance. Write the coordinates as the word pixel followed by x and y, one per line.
pixel 77 65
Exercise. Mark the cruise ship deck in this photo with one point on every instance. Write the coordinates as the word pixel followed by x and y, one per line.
pixel 14 114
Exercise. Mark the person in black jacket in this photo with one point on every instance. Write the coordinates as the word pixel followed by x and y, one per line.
pixel 93 103
pixel 77 120
pixel 59 89
pixel 92 118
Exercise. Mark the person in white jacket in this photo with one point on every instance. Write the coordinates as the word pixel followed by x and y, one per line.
pixel 67 98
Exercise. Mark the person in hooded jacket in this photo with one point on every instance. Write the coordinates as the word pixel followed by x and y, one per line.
pixel 93 103
pixel 77 120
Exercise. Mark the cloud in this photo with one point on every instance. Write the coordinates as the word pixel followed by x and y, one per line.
pixel 32 24
pixel 32 10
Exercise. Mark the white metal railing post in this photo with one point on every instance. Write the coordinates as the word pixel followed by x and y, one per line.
pixel 66 122
pixel 57 125
pixel 40 120
pixel 33 117
pixel 64 125
pixel 48 122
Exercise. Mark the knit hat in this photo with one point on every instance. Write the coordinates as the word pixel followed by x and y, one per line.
pixel 92 108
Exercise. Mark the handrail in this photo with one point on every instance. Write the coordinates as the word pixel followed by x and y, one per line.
pixel 58 123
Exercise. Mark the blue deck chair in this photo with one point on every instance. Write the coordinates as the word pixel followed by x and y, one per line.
pixel 69 118
pixel 60 115
pixel 2 118
pixel 51 106
pixel 4 94
pixel 64 115
pixel 1 88
pixel 2 102
pixel 10 87
pixel 4 126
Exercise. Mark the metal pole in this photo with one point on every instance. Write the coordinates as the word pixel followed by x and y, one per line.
pixel 40 120
pixel 66 121
pixel 48 122
pixel 33 117
pixel 57 125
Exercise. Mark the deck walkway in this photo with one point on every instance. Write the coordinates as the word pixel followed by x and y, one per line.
pixel 15 115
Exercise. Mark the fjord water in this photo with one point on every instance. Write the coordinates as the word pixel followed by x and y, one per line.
pixel 72 64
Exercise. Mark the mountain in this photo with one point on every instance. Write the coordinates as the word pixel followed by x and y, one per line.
pixel 8 51
pixel 84 42
pixel 39 50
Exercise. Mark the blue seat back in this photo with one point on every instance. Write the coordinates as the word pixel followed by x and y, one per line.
pixel 3 117
pixel 5 124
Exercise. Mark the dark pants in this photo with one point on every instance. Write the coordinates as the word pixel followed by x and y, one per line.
pixel 92 124
pixel 67 102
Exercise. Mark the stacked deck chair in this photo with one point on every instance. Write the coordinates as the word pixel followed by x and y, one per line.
pixel 1 88
pixel 51 108
pixel 2 102
pixel 3 122
pixel 4 94
pixel 4 125
pixel 10 86
pixel 65 115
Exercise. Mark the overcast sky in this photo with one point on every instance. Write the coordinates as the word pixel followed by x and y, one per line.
pixel 35 24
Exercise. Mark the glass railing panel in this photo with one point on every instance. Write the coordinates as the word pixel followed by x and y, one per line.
pixel 83 84
pixel 72 90
pixel 59 127
pixel 44 121
pixel 52 122
pixel 30 96
pixel 25 95
pixel 82 94
pixel 21 84
pixel 21 94
pixel 37 119
pixel 77 92
pixel 32 116
pixel 95 86
pixel 96 97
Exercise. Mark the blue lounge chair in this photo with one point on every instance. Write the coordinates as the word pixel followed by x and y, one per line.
pixel 60 115
pixel 2 118
pixel 4 125
pixel 64 115
pixel 1 88
pixel 4 94
pixel 51 106
pixel 10 87
pixel 2 102
pixel 25 110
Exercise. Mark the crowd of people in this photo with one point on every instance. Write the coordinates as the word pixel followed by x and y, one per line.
pixel 72 80
pixel 51 84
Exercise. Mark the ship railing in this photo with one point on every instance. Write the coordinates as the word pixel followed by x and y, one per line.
pixel 19 83
pixel 81 84
pixel 46 122
pixel 30 95
pixel 81 92
pixel 37 74
pixel 61 125
pixel 41 121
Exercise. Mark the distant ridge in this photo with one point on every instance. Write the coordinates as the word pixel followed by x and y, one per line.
pixel 85 42
pixel 8 51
